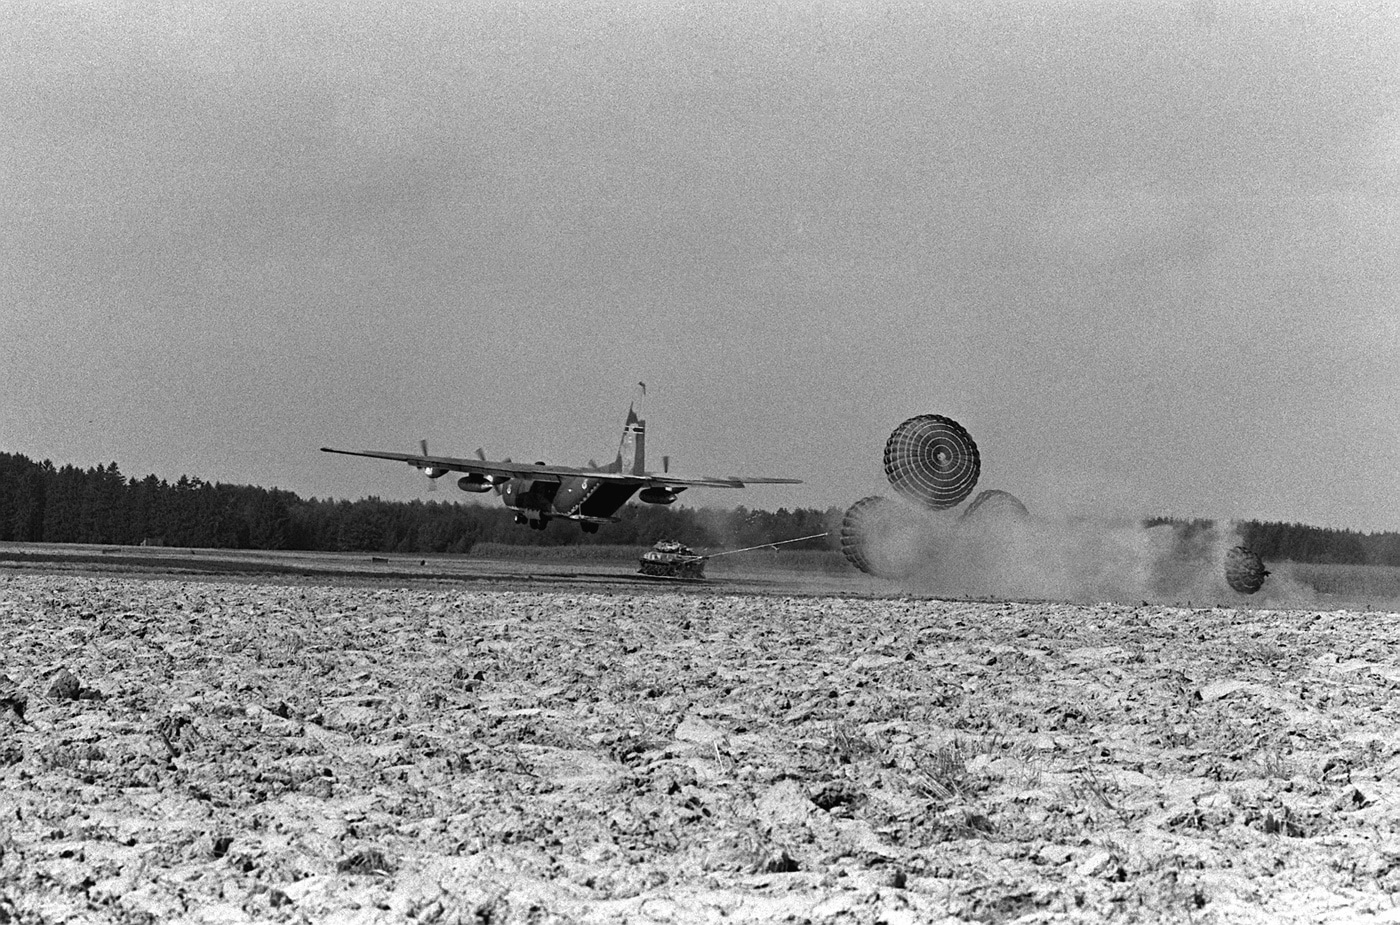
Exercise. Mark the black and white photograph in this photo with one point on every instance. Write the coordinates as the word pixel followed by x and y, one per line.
pixel 688 461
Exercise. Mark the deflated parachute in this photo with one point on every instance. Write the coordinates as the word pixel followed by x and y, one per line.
pixel 858 528
pixel 995 503
pixel 932 460
pixel 879 537
pixel 1244 570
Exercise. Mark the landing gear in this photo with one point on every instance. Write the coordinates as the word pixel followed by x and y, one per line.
pixel 587 526
pixel 538 524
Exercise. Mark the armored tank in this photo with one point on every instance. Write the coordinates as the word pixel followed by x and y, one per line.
pixel 669 559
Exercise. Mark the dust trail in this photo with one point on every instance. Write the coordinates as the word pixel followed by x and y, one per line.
pixel 1082 559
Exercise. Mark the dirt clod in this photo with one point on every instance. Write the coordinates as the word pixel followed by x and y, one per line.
pixel 64 686
pixel 12 698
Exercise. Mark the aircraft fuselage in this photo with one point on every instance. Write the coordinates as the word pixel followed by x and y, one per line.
pixel 575 498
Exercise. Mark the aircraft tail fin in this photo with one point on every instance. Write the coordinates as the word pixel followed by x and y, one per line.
pixel 631 452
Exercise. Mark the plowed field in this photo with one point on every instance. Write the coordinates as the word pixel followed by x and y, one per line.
pixel 224 751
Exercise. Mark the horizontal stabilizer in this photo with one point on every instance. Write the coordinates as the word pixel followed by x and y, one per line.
pixel 764 480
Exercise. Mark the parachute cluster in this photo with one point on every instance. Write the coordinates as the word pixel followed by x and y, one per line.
pixel 932 462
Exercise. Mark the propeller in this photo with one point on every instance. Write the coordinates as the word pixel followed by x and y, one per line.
pixel 497 486
pixel 432 482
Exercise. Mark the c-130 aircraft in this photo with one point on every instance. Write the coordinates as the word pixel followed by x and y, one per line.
pixel 539 493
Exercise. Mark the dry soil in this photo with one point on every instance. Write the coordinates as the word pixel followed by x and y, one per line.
pixel 227 751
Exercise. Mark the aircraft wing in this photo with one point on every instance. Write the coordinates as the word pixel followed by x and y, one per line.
pixel 660 480
pixel 502 470
pixel 541 472
pixel 762 480
pixel 655 480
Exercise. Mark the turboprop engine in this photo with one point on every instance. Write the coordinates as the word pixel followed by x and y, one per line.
pixel 657 496
pixel 432 472
pixel 475 483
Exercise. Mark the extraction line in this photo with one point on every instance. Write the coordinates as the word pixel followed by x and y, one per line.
pixel 730 552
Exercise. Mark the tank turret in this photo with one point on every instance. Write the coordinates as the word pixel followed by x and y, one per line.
pixel 669 559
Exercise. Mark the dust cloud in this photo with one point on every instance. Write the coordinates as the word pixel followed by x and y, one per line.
pixel 1072 558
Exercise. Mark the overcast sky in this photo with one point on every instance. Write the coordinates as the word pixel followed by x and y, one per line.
pixel 1147 253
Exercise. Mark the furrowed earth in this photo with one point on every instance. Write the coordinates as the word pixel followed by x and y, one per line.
pixel 292 750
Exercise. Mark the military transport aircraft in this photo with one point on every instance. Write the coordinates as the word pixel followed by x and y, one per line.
pixel 539 493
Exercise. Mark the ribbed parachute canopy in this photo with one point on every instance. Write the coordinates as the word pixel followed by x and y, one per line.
pixel 931 460
pixel 881 537
pixel 995 504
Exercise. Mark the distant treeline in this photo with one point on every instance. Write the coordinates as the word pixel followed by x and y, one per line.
pixel 1301 543
pixel 41 503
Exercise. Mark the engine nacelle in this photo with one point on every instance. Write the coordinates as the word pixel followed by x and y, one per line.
pixel 474 483
pixel 657 496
